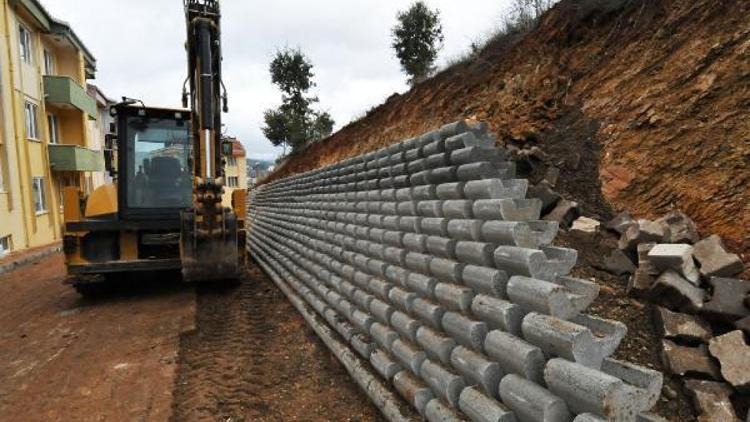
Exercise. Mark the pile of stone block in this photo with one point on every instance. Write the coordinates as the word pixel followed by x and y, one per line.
pixel 427 258
pixel 703 313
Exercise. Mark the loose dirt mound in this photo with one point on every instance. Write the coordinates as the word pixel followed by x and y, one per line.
pixel 252 358
pixel 667 82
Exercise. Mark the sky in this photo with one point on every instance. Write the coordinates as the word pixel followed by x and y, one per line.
pixel 139 48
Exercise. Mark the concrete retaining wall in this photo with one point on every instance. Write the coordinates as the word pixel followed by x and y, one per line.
pixel 429 261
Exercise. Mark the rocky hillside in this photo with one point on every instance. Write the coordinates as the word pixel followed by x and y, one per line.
pixel 646 102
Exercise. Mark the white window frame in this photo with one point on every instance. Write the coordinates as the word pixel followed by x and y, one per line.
pixel 39 193
pixel 25 44
pixel 6 245
pixel 49 62
pixel 31 113
pixel 54 129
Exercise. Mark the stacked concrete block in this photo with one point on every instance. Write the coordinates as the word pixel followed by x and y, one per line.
pixel 429 260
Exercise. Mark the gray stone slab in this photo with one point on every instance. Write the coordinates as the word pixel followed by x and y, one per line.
pixel 443 382
pixel 531 402
pixel 411 388
pixel 477 369
pixel 499 314
pixel 481 408
pixel 714 260
pixel 489 281
pixel 438 346
pixel 515 355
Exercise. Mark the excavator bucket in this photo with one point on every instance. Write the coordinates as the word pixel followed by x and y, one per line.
pixel 209 255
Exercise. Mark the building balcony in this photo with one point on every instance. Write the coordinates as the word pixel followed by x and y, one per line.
pixel 74 158
pixel 64 92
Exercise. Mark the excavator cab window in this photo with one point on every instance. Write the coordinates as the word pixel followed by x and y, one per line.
pixel 158 168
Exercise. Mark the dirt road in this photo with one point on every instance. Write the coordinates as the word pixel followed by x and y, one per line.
pixel 66 358
pixel 147 353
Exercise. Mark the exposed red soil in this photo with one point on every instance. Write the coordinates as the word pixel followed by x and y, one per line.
pixel 65 358
pixel 668 81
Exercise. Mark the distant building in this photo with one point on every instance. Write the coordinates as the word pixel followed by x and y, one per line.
pixel 235 172
pixel 45 121
pixel 256 172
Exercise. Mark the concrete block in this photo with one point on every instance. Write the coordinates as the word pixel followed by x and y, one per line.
pixel 434 227
pixel 677 257
pixel 496 189
pixel 644 231
pixel 545 264
pixel 407 208
pixel 444 383
pixel 489 281
pixel 362 299
pixel 544 192
pixel 507 209
pixel 621 222
pixel 733 355
pixel 515 355
pixel 390 222
pixel 618 263
pixel 714 260
pixel 588 417
pixel 465 229
pixel 430 209
pixel 408 355
pixel 393 238
pixel 442 247
pixel 422 284
pixel 477 369
pixel 672 291
pixel 405 325
pixel 517 233
pixel 396 275
pixel 678 228
pixel 565 298
pixel 381 311
pixel 413 390
pixel 415 242
pixel 430 313
pixel 418 262
pixel 446 270
pixel 409 224
pixel 467 139
pixel 687 329
pixel 441 159
pixel 573 340
pixel 475 253
pixel 402 298
pixel 585 226
pixel 481 408
pixel 564 213
pixel 362 345
pixel 437 346
pixel 442 175
pixel 531 402
pixel 729 299
pixel 436 411
pixel 379 288
pixel 383 335
pixel 395 256
pixel 475 154
pixel 345 329
pixel 711 400
pixel 458 209
pixel 424 193
pixel 453 190
pixel 589 390
pixel 499 314
pixel 386 366
pixel 466 331
pixel 362 320
pixel 403 194
pixel 454 297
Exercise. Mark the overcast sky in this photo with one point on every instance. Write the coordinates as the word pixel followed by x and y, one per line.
pixel 139 47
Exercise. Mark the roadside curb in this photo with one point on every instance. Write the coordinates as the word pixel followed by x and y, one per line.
pixel 28 258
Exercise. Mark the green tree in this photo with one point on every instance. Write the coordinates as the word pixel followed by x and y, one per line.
pixel 294 122
pixel 417 38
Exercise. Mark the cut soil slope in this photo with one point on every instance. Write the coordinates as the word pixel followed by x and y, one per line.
pixel 667 83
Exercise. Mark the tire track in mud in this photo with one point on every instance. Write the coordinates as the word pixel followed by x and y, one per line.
pixel 253 358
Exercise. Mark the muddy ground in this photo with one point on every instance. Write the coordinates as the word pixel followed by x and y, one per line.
pixel 148 353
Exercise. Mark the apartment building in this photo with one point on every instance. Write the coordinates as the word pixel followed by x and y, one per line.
pixel 236 172
pixel 45 120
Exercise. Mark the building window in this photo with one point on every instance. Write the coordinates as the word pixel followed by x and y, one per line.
pixel 233 181
pixel 5 245
pixel 53 131
pixel 32 128
pixel 49 63
pixel 24 40
pixel 40 205
pixel 231 161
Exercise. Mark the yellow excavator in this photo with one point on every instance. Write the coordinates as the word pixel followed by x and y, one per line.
pixel 163 211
